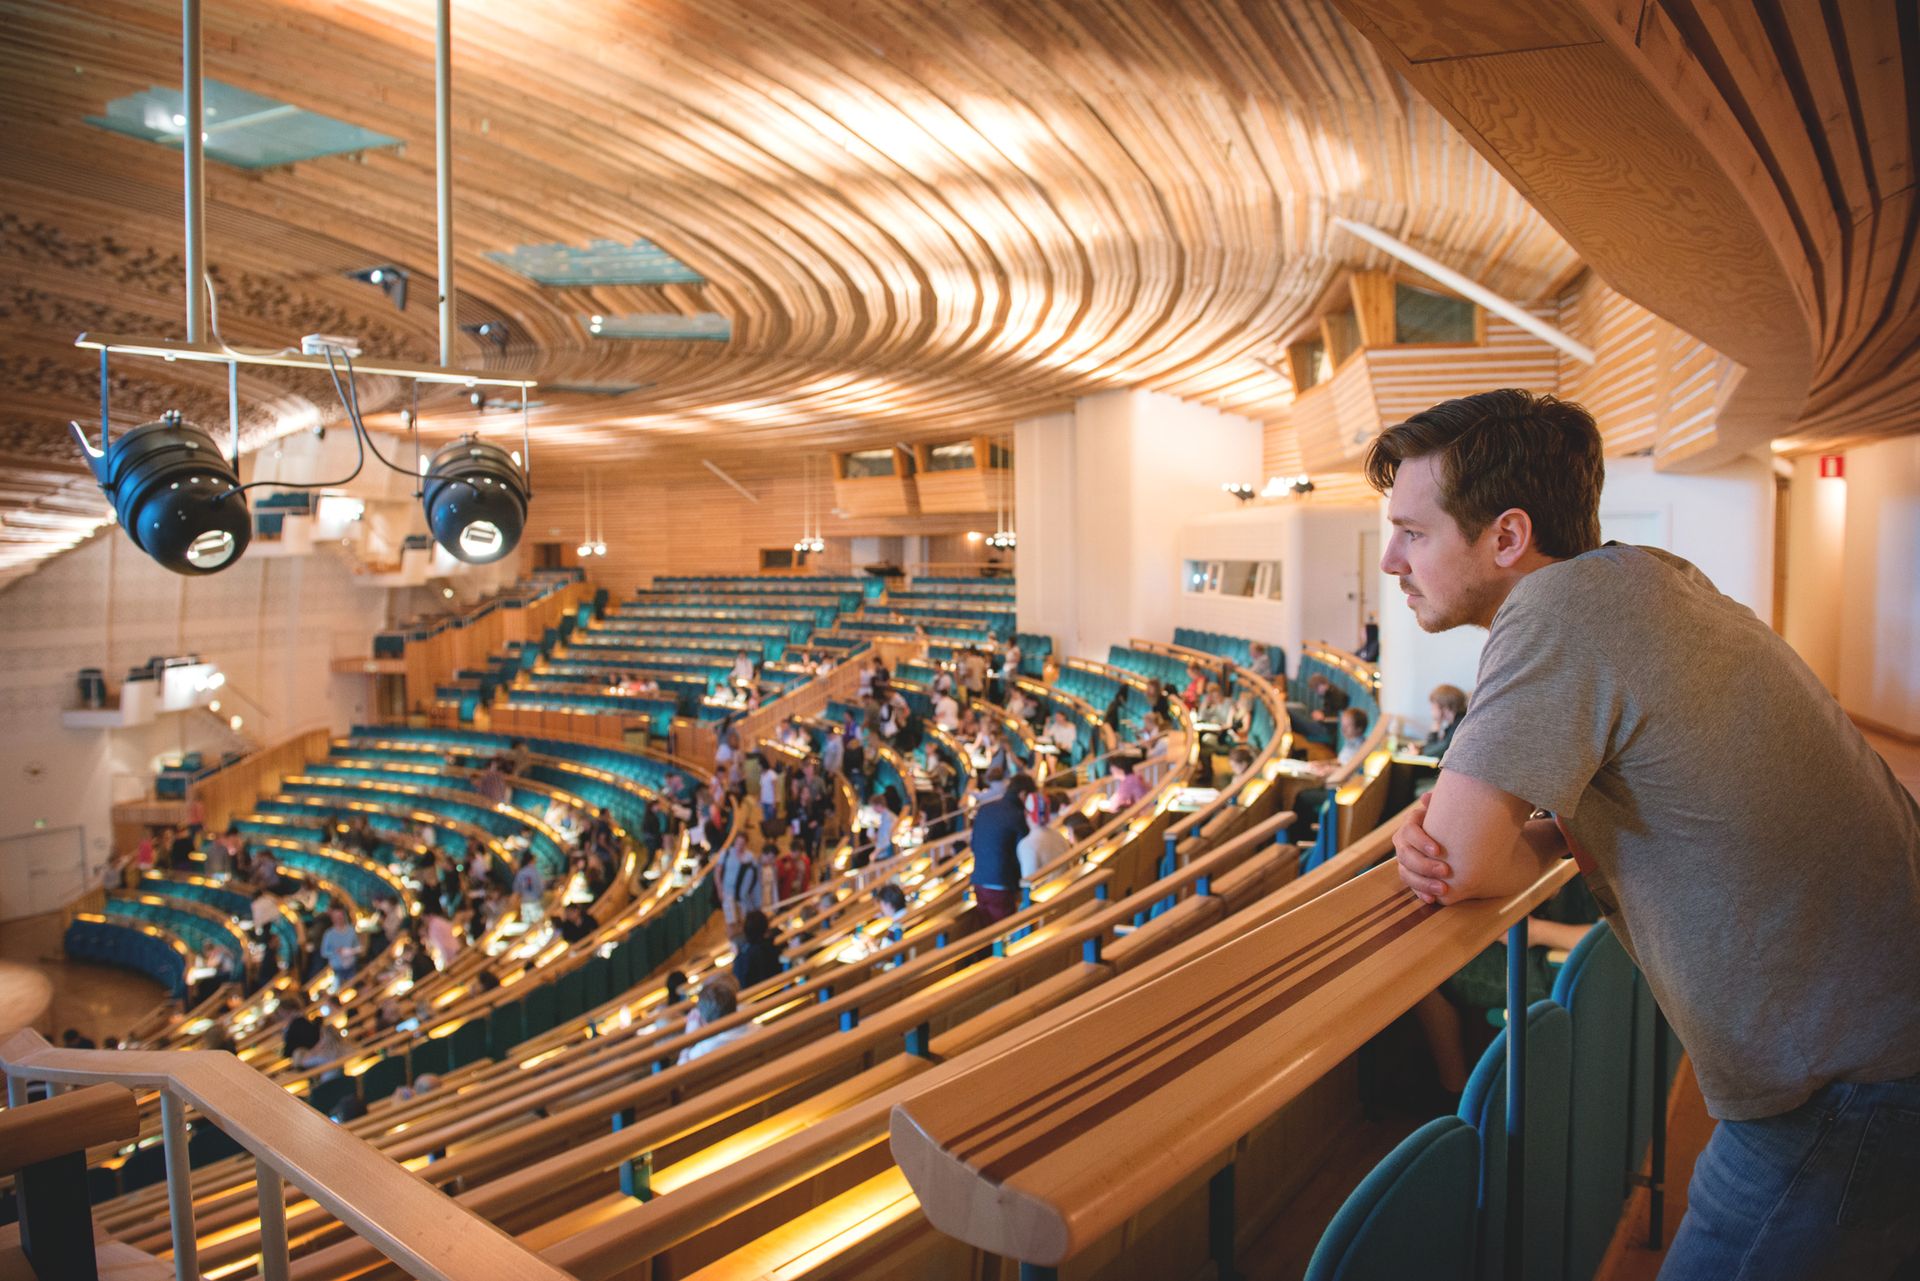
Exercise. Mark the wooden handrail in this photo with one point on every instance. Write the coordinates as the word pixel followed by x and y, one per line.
pixel 1034 1154
pixel 70 1122
pixel 407 1219
pixel 240 785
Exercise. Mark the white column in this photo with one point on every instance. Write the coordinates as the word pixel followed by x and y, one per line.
pixel 1880 586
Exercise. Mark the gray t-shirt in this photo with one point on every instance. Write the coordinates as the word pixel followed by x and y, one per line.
pixel 1756 856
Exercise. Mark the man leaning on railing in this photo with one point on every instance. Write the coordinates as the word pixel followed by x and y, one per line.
pixel 1627 714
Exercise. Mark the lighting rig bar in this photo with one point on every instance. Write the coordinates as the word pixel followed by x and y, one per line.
pixel 210 353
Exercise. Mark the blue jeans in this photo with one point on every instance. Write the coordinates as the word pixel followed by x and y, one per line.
pixel 1828 1190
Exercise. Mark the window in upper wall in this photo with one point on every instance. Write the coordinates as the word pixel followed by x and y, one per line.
pixel 1344 333
pixel 950 457
pixel 1237 577
pixel 863 464
pixel 999 456
pixel 1245 579
pixel 1310 364
pixel 1420 315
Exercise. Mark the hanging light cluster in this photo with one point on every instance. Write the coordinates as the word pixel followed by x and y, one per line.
pixel 589 493
pixel 1002 538
pixel 182 502
pixel 810 539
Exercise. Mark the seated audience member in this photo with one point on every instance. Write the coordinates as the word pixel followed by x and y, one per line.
pixel 1325 700
pixel 519 758
pixel 72 1040
pixel 575 924
pixel 1062 733
pixel 1369 651
pixel 1042 844
pixel 1260 661
pixel 1215 707
pixel 1128 786
pixel 1308 802
pixel 1157 701
pixel 265 910
pixel 892 901
pixel 1448 705
pixel 718 999
pixel 997 828
pixel 1116 713
pixel 530 886
pixel 491 783
pixel 314 1043
pixel 1153 730
pixel 758 957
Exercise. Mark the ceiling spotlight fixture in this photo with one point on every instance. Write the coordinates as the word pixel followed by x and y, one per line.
pixel 389 279
pixel 177 497
pixel 477 398
pixel 475 499
pixel 235 723
pixel 1239 489
pixel 1003 540
pixel 493 331
pixel 1302 484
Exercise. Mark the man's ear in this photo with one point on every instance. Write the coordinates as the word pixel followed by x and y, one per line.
pixel 1512 537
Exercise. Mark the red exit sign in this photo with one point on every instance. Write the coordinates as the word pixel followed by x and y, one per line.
pixel 1833 467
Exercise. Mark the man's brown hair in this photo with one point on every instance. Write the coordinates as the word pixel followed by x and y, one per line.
pixel 1501 450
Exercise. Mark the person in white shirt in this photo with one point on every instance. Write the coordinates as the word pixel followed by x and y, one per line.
pixel 266 910
pixel 946 712
pixel 1041 845
pixel 717 1001
pixel 1062 733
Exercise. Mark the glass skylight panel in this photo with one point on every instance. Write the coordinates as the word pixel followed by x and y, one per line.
pixel 602 262
pixel 243 129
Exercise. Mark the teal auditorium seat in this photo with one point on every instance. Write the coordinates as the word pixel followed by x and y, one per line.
pixel 1598 987
pixel 1412 1216
pixel 1484 1106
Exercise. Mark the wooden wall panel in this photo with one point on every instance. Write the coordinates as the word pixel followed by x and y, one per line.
pixel 676 517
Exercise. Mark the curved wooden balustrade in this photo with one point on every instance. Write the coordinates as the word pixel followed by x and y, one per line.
pixel 407 1220
pixel 1037 1153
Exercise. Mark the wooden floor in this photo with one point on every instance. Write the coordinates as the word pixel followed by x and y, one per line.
pixel 99 1000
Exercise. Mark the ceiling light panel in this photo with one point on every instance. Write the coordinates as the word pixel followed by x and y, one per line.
pixel 602 262
pixel 242 129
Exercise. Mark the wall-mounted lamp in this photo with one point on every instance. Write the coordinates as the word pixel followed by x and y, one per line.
pixel 389 279
pixel 1240 490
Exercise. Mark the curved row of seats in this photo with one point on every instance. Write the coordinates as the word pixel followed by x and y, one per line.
pixel 909 867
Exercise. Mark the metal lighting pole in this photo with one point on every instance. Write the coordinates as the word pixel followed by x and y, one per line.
pixel 192 146
pixel 443 165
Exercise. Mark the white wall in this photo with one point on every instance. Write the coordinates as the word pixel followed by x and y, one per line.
pixel 1117 482
pixel 1318 548
pixel 1816 543
pixel 1721 520
pixel 271 625
pixel 1879 625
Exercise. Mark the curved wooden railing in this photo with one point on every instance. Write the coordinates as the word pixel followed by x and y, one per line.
pixel 1033 1154
pixel 408 1220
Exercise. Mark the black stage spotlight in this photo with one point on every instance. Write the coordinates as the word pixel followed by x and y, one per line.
pixel 475 494
pixel 392 281
pixel 175 494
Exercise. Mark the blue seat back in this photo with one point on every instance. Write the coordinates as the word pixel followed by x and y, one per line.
pixel 1484 1106
pixel 1597 988
pixel 1412 1216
